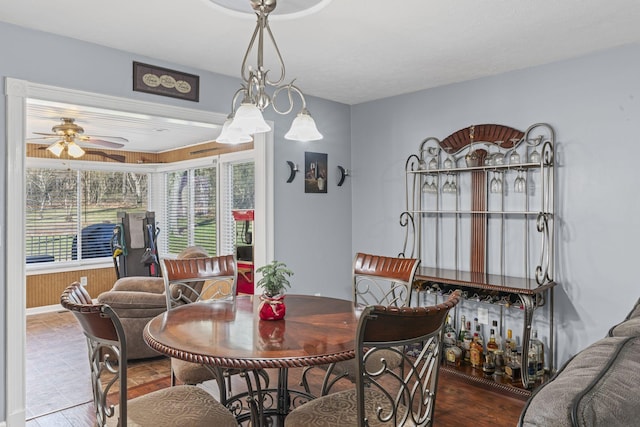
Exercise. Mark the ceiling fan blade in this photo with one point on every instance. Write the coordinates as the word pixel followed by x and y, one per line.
pixel 117 138
pixel 45 136
pixel 117 157
pixel 101 142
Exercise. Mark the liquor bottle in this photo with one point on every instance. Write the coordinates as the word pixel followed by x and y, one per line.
pixel 512 369
pixel 538 347
pixel 494 325
pixel 477 336
pixel 509 346
pixel 475 352
pixel 492 345
pixel 449 336
pixel 466 345
pixel 532 363
pixel 463 330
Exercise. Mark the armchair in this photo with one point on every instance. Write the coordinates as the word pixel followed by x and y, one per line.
pixel 136 300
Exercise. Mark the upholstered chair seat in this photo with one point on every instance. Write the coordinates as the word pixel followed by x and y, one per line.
pixel 177 406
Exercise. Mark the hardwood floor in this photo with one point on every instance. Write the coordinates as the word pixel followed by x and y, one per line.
pixel 59 387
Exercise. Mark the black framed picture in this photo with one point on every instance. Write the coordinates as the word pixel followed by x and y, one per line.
pixel 315 172
pixel 162 81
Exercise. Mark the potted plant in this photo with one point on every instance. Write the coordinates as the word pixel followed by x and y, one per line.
pixel 274 281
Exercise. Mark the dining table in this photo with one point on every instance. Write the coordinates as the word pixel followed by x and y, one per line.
pixel 229 336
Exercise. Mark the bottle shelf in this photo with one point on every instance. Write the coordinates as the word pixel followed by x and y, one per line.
pixel 504 383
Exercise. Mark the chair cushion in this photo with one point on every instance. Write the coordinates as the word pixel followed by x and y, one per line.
pixel 189 372
pixel 340 410
pixel 177 406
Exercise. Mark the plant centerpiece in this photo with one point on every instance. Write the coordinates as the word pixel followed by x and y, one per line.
pixel 274 282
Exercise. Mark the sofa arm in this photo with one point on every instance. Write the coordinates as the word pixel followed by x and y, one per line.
pixel 134 304
pixel 140 284
pixel 597 387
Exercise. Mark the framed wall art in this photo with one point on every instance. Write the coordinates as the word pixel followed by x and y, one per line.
pixel 315 172
pixel 162 81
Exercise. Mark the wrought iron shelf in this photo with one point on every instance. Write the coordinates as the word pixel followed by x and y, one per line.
pixel 472 247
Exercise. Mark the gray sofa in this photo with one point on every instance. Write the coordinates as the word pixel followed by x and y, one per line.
pixel 599 386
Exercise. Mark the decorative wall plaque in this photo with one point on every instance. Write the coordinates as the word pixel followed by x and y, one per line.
pixel 165 82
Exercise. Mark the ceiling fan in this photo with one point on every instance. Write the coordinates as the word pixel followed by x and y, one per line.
pixel 69 134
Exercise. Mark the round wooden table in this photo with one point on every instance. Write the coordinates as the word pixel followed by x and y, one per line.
pixel 224 335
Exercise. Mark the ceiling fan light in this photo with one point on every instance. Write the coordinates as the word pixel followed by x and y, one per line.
pixel 248 120
pixel 230 135
pixel 56 148
pixel 74 150
pixel 303 128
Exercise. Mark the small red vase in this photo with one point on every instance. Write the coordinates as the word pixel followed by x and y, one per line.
pixel 271 308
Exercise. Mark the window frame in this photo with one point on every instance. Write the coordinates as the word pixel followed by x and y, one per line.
pixel 83 165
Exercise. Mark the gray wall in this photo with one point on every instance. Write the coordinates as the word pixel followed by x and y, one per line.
pixel 593 104
pixel 312 232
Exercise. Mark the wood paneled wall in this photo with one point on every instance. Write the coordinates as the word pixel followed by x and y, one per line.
pixel 45 289
pixel 206 149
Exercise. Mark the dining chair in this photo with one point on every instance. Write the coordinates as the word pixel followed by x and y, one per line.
pixel 381 396
pixel 107 345
pixel 376 280
pixel 200 279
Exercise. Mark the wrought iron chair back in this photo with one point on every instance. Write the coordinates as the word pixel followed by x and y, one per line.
pixel 107 351
pixel 189 280
pixel 107 348
pixel 408 399
pixel 382 396
pixel 380 280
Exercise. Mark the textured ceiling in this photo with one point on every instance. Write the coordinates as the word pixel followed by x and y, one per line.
pixel 350 51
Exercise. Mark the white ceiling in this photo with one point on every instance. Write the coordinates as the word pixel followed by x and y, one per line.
pixel 350 51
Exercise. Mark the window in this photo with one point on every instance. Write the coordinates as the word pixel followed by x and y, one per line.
pixel 239 194
pixel 191 215
pixel 196 214
pixel 64 203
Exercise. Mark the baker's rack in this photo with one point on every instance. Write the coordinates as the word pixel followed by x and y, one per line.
pixel 494 243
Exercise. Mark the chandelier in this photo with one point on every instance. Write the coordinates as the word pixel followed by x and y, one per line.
pixel 247 119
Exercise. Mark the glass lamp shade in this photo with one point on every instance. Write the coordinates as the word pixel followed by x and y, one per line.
pixel 303 129
pixel 56 148
pixel 230 135
pixel 74 150
pixel 248 120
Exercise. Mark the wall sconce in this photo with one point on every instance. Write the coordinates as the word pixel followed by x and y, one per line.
pixel 294 170
pixel 342 174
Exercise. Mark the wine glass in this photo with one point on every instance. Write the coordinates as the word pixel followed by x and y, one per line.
pixel 446 187
pixel 433 163
pixel 498 156
pixel 514 158
pixel 453 187
pixel 520 184
pixel 496 183
pixel 449 163
pixel 429 185
pixel 534 156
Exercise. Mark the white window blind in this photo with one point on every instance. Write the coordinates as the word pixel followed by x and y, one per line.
pixel 191 205
pixel 239 194
pixel 63 204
